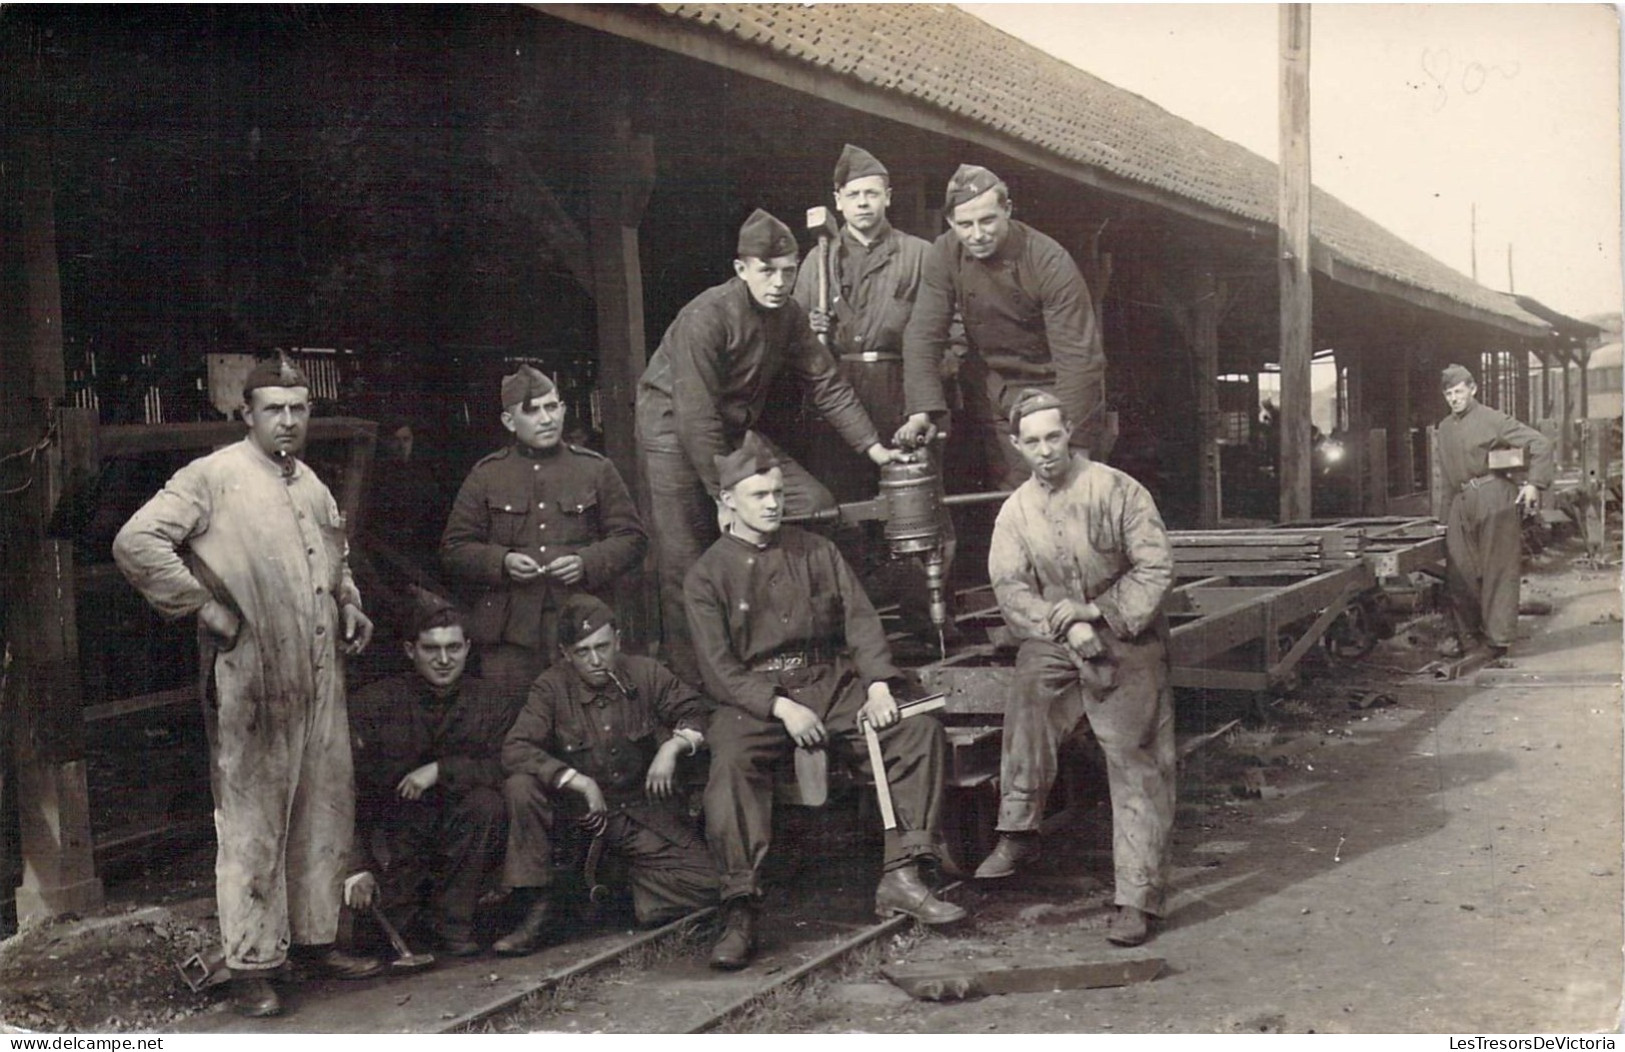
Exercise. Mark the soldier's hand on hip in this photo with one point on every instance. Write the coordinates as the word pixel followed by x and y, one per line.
pixel 881 708
pixel 221 623
pixel 357 629
pixel 916 431
pixel 800 722
pixel 520 567
pixel 818 321
pixel 566 569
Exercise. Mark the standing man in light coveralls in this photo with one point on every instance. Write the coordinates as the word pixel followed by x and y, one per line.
pixel 1080 564
pixel 251 541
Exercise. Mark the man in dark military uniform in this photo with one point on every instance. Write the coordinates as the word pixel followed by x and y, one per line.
pixel 1483 528
pixel 794 653
pixel 707 384
pixel 428 772
pixel 532 524
pixel 608 729
pixel 1029 322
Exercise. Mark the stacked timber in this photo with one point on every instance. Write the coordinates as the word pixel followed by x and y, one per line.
pixel 1265 552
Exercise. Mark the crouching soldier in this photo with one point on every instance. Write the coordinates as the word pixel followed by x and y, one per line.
pixel 601 733
pixel 430 821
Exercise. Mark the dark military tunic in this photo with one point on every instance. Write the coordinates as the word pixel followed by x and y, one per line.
pixel 1483 535
pixel 707 382
pixel 1029 322
pixel 610 735
pixel 452 834
pixel 545 503
pixel 705 386
pixel 788 618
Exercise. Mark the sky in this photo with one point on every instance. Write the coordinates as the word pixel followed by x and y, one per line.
pixel 1417 114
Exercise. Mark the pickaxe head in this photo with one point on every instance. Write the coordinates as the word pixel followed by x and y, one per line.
pixel 822 222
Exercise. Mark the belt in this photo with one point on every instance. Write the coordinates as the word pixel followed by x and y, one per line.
pixel 872 356
pixel 789 660
pixel 1477 481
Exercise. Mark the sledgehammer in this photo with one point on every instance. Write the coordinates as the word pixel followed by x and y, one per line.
pixel 819 219
pixel 405 960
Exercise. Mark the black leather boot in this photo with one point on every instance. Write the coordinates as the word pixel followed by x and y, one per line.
pixel 527 938
pixel 737 943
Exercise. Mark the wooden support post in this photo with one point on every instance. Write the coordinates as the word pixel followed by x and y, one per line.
pixel 623 177
pixel 40 698
pixel 1296 293
pixel 1404 425
pixel 1439 500
pixel 1565 451
pixel 1376 473
pixel 1205 345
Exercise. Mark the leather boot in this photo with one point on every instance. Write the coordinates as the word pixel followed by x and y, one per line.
pixel 902 891
pixel 527 938
pixel 252 995
pixel 1130 927
pixel 737 943
pixel 1008 854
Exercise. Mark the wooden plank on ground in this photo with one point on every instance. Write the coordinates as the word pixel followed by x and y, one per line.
pixel 980 977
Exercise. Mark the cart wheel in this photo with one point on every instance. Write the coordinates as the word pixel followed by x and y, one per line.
pixel 1353 635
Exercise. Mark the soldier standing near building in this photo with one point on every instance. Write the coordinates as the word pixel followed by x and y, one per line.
pixel 532 524
pixel 707 384
pixel 1029 322
pixel 266 573
pixel 601 735
pixel 795 656
pixel 1483 523
pixel 1080 564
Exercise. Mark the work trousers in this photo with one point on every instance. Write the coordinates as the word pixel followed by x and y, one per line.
pixel 284 810
pixel 1129 706
pixel 452 847
pixel 683 524
pixel 671 872
pixel 1483 543
pixel 985 424
pixel 739 795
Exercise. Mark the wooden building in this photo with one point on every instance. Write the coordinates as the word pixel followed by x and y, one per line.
pixel 429 193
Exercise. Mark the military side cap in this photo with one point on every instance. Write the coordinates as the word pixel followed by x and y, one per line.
pixel 1031 401
pixel 274 372
pixel 765 237
pixel 753 457
pixel 1454 374
pixel 856 163
pixel 430 610
pixel 581 616
pixel 528 382
pixel 971 180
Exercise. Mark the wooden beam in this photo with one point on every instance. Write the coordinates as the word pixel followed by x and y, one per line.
pixel 1296 288
pixel 39 670
pixel 978 977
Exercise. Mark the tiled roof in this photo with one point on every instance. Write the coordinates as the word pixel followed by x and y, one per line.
pixel 946 58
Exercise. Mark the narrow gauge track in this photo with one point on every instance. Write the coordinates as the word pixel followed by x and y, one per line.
pixel 683 992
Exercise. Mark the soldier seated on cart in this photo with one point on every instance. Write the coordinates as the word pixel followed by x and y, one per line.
pixel 600 737
pixel 428 772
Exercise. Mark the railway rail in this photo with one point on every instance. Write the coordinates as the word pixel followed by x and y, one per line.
pixel 650 981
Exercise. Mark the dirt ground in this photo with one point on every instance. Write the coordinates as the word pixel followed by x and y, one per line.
pixel 1374 852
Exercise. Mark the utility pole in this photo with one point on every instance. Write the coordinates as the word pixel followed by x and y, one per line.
pixel 1512 286
pixel 1472 236
pixel 1297 304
